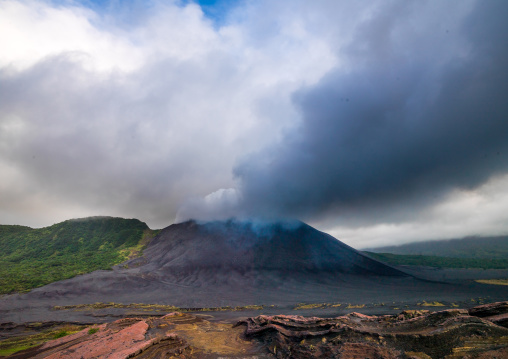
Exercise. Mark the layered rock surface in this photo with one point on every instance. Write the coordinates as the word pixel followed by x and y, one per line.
pixel 173 335
pixel 449 334
pixel 453 333
pixel 123 338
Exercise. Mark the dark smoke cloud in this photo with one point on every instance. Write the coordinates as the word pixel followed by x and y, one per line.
pixel 403 124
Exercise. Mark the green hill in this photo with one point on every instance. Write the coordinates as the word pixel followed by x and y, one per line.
pixel 31 258
pixel 469 247
pixel 439 262
pixel 469 252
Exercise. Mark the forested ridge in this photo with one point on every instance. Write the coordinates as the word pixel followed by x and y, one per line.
pixel 31 258
pixel 469 247
pixel 440 262
pixel 469 252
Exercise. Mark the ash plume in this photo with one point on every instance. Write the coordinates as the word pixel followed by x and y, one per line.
pixel 405 121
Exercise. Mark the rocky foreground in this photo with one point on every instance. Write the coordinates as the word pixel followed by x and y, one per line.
pixel 480 332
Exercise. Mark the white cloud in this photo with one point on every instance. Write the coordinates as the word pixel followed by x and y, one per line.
pixel 30 31
pixel 219 205
pixel 462 213
pixel 131 119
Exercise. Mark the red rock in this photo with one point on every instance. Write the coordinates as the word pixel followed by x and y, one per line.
pixel 124 338
pixel 108 344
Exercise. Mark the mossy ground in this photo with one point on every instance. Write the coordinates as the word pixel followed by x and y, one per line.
pixel 493 281
pixel 431 304
pixel 155 307
pixel 22 342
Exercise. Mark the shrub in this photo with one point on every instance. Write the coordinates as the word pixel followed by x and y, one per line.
pixel 61 333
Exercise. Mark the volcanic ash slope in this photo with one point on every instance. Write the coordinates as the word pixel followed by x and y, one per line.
pixel 240 263
pixel 293 250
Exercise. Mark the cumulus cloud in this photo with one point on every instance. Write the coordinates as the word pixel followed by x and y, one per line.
pixel 132 116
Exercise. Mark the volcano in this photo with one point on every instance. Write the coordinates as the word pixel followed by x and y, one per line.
pixel 241 248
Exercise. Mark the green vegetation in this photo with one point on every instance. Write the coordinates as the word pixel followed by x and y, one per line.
pixel 60 333
pixel 355 306
pixel 493 281
pixel 303 306
pixel 31 258
pixel 155 307
pixel 13 345
pixel 93 330
pixel 431 304
pixel 440 262
pixel 470 247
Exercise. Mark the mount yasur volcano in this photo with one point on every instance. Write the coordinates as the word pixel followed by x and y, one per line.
pixel 232 263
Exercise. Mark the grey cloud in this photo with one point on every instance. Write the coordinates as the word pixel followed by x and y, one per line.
pixel 112 143
pixel 413 116
pixel 85 130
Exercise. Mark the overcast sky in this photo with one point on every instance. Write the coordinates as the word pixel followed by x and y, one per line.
pixel 379 122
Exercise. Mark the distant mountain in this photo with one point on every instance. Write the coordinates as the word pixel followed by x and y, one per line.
pixel 439 262
pixel 470 247
pixel 31 258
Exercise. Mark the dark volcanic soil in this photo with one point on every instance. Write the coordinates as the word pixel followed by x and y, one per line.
pixel 230 263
